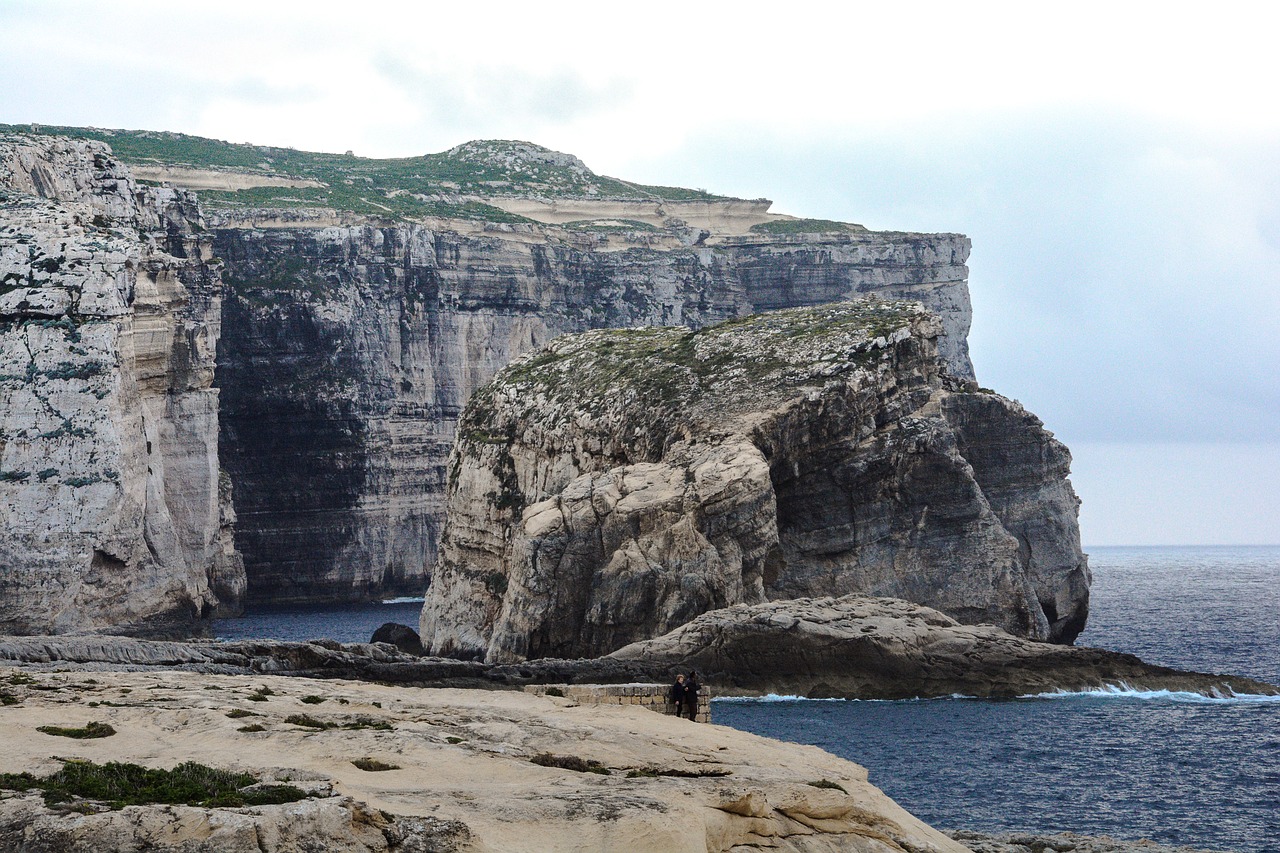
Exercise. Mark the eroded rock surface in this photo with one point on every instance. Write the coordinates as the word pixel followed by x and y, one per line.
pixel 463 778
pixel 349 351
pixel 618 483
pixel 858 647
pixel 113 514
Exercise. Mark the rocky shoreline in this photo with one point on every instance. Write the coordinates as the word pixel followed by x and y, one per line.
pixel 854 647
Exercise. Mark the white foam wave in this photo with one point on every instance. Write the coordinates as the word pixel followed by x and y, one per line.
pixel 1124 691
pixel 404 599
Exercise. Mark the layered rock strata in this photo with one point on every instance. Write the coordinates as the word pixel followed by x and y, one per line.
pixel 113 513
pixel 349 351
pixel 616 484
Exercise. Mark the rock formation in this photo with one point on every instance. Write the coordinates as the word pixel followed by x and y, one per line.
pixel 113 513
pixel 858 647
pixel 459 774
pixel 348 352
pixel 618 483
pixel 854 647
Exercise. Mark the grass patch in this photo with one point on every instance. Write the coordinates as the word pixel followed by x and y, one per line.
pixel 309 722
pixel 655 772
pixel 828 784
pixel 88 731
pixel 312 700
pixel 252 727
pixel 373 765
pixel 569 762
pixel 7 698
pixel 117 785
pixel 803 226
pixel 237 713
pixel 393 188
pixel 554 691
pixel 452 739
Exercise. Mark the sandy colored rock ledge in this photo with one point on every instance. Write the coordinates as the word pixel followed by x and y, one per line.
pixel 464 764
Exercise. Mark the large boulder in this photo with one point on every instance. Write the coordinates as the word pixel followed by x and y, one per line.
pixel 616 484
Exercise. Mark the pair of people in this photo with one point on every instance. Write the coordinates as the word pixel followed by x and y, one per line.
pixel 684 695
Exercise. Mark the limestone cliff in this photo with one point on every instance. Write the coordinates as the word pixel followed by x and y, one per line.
pixel 112 511
pixel 348 352
pixel 616 484
pixel 365 300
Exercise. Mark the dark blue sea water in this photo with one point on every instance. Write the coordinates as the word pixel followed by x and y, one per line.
pixel 350 623
pixel 1176 769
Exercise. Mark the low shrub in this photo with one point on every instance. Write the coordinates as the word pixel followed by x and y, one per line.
pixel 569 762
pixel 87 731
pixel 117 785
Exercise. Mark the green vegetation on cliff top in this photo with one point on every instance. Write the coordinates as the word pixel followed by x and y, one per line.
pixel 717 370
pixel 430 185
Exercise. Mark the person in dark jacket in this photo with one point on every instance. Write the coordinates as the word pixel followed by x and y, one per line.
pixel 676 694
pixel 691 687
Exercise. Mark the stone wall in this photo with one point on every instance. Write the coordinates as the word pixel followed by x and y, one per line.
pixel 650 696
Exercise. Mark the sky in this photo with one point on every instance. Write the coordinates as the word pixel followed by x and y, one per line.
pixel 1117 166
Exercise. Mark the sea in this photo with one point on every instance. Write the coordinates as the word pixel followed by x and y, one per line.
pixel 1174 768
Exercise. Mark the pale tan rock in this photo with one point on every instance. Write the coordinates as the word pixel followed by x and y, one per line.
pixel 112 513
pixel 481 790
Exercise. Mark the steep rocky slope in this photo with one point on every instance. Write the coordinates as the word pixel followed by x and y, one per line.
pixel 616 484
pixel 112 510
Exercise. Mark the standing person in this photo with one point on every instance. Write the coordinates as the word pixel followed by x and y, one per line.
pixel 691 688
pixel 676 694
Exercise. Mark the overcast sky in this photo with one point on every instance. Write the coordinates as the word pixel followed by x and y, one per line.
pixel 1116 164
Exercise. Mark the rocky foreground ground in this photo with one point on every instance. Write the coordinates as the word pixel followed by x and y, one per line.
pixel 464 776
pixel 381 768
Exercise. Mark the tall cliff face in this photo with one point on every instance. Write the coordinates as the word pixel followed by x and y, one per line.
pixel 616 484
pixel 348 352
pixel 112 511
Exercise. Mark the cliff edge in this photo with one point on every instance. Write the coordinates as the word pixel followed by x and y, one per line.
pixel 616 484
pixel 113 513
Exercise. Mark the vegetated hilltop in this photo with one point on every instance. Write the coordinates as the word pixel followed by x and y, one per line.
pixel 618 483
pixel 430 185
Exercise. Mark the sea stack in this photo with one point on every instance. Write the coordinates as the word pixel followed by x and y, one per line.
pixel 616 484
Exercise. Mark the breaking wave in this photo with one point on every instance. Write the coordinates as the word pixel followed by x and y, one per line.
pixel 1124 691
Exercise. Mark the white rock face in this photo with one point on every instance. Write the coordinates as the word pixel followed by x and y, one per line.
pixel 112 513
